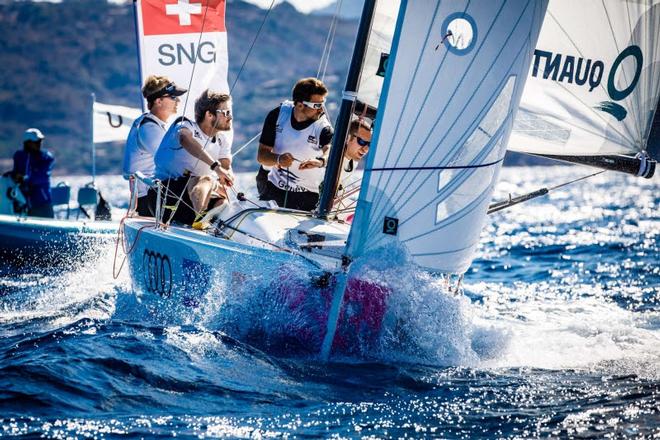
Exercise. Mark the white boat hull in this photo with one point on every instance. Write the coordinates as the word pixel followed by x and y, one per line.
pixel 276 297
pixel 46 241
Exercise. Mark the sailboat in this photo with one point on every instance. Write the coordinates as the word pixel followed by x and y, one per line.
pixel 76 231
pixel 452 83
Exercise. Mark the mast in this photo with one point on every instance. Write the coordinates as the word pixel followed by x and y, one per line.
pixel 93 143
pixel 331 180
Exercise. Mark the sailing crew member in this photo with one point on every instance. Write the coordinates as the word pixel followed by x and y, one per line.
pixel 32 169
pixel 147 132
pixel 296 131
pixel 357 144
pixel 194 162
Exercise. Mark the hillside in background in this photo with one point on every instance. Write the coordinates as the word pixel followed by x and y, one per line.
pixel 55 55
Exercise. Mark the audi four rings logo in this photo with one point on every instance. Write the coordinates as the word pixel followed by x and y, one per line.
pixel 157 272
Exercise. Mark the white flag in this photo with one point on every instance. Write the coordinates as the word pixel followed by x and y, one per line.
pixel 113 122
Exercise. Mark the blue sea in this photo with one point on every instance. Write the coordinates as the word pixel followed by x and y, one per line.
pixel 556 334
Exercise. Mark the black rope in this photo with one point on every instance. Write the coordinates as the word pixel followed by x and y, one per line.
pixel 452 167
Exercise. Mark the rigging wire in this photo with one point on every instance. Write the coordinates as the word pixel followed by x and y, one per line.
pixel 329 42
pixel 256 36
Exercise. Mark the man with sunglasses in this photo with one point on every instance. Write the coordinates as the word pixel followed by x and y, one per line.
pixel 358 143
pixel 147 132
pixel 194 162
pixel 293 148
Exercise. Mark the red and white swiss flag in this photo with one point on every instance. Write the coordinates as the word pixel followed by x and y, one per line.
pixel 161 17
pixel 185 40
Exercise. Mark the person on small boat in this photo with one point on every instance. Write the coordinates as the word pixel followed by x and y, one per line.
pixel 193 162
pixel 296 131
pixel 32 169
pixel 147 132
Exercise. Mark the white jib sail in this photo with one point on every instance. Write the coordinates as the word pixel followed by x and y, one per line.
pixel 185 40
pixel 594 82
pixel 453 83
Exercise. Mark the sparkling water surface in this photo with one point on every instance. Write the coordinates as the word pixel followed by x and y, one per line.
pixel 557 334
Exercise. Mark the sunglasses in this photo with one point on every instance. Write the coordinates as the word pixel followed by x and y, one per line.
pixel 361 142
pixel 174 98
pixel 225 113
pixel 314 105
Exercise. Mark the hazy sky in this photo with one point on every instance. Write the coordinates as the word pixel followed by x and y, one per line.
pixel 301 5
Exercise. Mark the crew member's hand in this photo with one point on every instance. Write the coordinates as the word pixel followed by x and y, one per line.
pixel 310 163
pixel 285 160
pixel 226 177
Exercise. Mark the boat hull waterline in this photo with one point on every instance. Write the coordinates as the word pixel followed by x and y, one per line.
pixel 274 298
pixel 51 240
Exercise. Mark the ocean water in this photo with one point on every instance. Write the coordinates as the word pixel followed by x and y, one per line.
pixel 556 334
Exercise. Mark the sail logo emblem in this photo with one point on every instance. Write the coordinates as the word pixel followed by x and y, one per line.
pixel 157 272
pixel 590 73
pixel 390 225
pixel 459 33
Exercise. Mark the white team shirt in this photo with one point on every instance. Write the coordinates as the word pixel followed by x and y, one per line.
pixel 303 145
pixel 173 161
pixel 142 142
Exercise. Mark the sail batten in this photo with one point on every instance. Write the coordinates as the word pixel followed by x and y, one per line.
pixel 441 133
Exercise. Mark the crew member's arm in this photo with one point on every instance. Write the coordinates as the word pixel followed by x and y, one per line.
pixel 322 159
pixel 267 157
pixel 192 146
pixel 265 154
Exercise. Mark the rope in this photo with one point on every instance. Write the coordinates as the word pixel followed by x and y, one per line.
pixel 329 42
pixel 238 75
pixel 576 180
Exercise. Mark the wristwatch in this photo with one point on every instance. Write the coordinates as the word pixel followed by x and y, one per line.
pixel 214 165
pixel 322 159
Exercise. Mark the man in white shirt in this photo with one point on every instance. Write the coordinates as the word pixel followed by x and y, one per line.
pixel 299 131
pixel 147 132
pixel 193 162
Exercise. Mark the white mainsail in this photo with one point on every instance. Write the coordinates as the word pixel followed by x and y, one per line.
pixel 594 82
pixel 453 83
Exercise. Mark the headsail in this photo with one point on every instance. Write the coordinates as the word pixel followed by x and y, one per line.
pixel 594 83
pixel 186 41
pixel 453 83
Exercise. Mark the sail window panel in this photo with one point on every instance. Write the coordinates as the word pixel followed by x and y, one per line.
pixel 532 125
pixel 458 189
